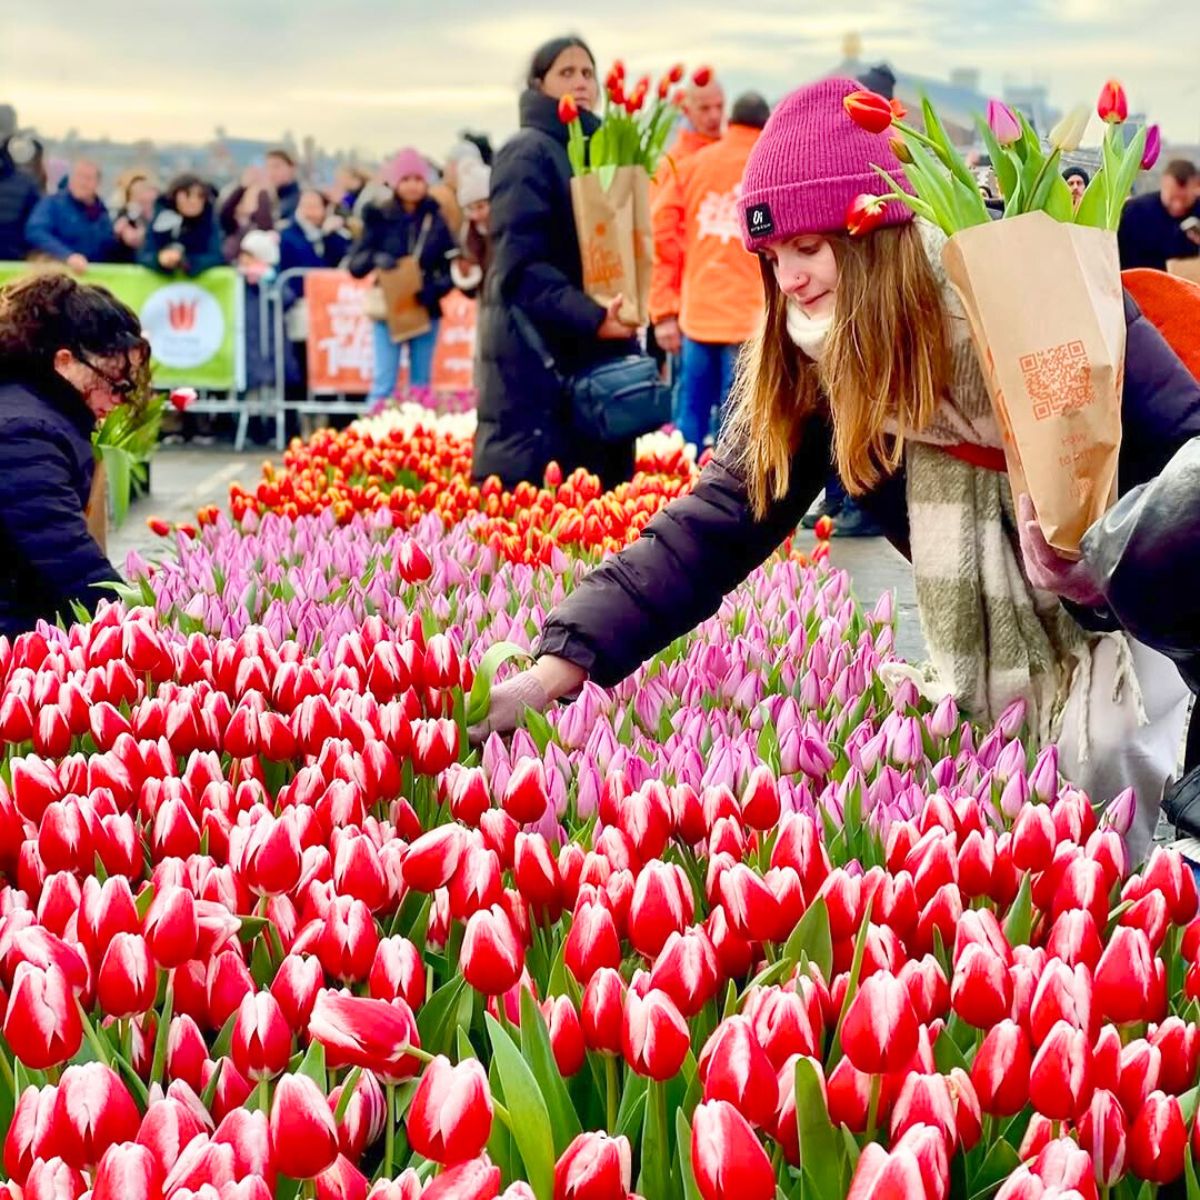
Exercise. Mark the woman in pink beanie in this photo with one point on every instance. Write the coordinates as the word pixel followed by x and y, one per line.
pixel 864 359
pixel 408 221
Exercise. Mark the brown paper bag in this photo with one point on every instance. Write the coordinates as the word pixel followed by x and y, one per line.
pixel 96 512
pixel 407 317
pixel 1185 268
pixel 1048 321
pixel 615 239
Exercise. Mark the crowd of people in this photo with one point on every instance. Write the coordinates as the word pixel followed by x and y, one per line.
pixel 266 223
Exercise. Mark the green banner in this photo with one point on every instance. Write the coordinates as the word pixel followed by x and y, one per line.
pixel 195 326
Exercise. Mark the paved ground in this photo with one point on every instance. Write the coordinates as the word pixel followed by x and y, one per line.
pixel 184 479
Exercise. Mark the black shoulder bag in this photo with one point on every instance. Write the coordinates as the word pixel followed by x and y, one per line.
pixel 616 399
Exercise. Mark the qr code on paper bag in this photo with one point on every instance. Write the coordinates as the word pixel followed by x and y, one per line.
pixel 1058 379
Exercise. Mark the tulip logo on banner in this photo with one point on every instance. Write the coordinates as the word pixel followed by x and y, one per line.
pixel 185 325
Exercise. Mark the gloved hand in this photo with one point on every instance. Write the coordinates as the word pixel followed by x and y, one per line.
pixel 384 262
pixel 1049 570
pixel 509 701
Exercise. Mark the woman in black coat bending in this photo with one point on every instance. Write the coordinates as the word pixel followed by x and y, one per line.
pixel 69 354
pixel 524 419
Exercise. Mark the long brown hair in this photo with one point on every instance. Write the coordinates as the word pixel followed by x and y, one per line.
pixel 887 357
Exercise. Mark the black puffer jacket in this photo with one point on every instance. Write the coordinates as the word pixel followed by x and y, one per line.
pixel 1145 553
pixel 535 266
pixel 198 237
pixel 18 198
pixel 390 233
pixel 47 556
pixel 703 545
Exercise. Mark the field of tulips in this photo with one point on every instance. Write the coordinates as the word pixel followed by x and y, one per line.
pixel 758 923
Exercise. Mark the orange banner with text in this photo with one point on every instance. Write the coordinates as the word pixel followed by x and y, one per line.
pixel 340 338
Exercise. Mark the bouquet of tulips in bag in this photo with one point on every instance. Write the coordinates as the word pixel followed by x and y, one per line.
pixel 123 445
pixel 610 191
pixel 1041 288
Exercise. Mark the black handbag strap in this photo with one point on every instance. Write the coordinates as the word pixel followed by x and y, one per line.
pixel 537 344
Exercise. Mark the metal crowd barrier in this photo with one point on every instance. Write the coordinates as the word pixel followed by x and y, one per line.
pixel 314 403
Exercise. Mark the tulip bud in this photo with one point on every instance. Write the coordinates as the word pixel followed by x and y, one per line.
pixel 879 1033
pixel 93 1110
pixel 1113 105
pixel 1068 133
pixel 593 1165
pixel 491 958
pixel 727 1158
pixel 1060 1080
pixel 450 1117
pixel 262 1039
pixel 654 1036
pixel 42 1024
pixel 603 1011
pixel 568 110
pixel 1158 1140
pixel 1003 123
pixel 128 979
pixel 865 214
pixel 303 1135
pixel 1153 147
pixel 869 111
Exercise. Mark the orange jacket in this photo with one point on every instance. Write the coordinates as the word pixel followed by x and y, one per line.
pixel 702 273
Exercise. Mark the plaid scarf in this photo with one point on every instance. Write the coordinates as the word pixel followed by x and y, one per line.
pixel 992 637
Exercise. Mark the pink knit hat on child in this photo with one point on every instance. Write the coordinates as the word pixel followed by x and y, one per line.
pixel 811 161
pixel 405 162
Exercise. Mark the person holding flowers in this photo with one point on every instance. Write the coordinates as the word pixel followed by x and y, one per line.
pixel 70 353
pixel 864 359
pixel 536 276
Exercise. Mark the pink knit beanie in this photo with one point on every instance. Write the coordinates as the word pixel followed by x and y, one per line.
pixel 405 162
pixel 811 161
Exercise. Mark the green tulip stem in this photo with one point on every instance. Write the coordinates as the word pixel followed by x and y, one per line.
pixel 389 1144
pixel 873 1107
pixel 610 1072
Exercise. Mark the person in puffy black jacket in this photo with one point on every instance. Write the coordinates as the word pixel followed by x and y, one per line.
pixel 18 198
pixel 69 354
pixel 184 235
pixel 409 223
pixel 524 418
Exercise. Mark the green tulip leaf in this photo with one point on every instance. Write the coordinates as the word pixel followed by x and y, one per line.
pixel 812 936
pixel 481 689
pixel 527 1107
pixel 539 1054
pixel 821 1156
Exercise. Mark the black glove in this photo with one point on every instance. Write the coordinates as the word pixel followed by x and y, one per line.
pixel 384 262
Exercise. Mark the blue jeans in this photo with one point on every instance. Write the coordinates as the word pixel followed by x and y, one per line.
pixel 705 377
pixel 387 360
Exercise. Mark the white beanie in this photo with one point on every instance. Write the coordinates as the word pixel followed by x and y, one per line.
pixel 474 183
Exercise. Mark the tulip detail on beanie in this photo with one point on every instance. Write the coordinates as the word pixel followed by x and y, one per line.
pixel 404 163
pixel 810 163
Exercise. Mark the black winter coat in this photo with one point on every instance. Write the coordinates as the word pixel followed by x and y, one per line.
pixel 199 238
pixel 704 544
pixel 47 556
pixel 535 266
pixel 1145 553
pixel 18 198
pixel 390 233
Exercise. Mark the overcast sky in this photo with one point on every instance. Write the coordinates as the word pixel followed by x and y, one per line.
pixel 376 74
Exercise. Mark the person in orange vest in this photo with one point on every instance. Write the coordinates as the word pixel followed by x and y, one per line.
pixel 706 289
pixel 704 117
